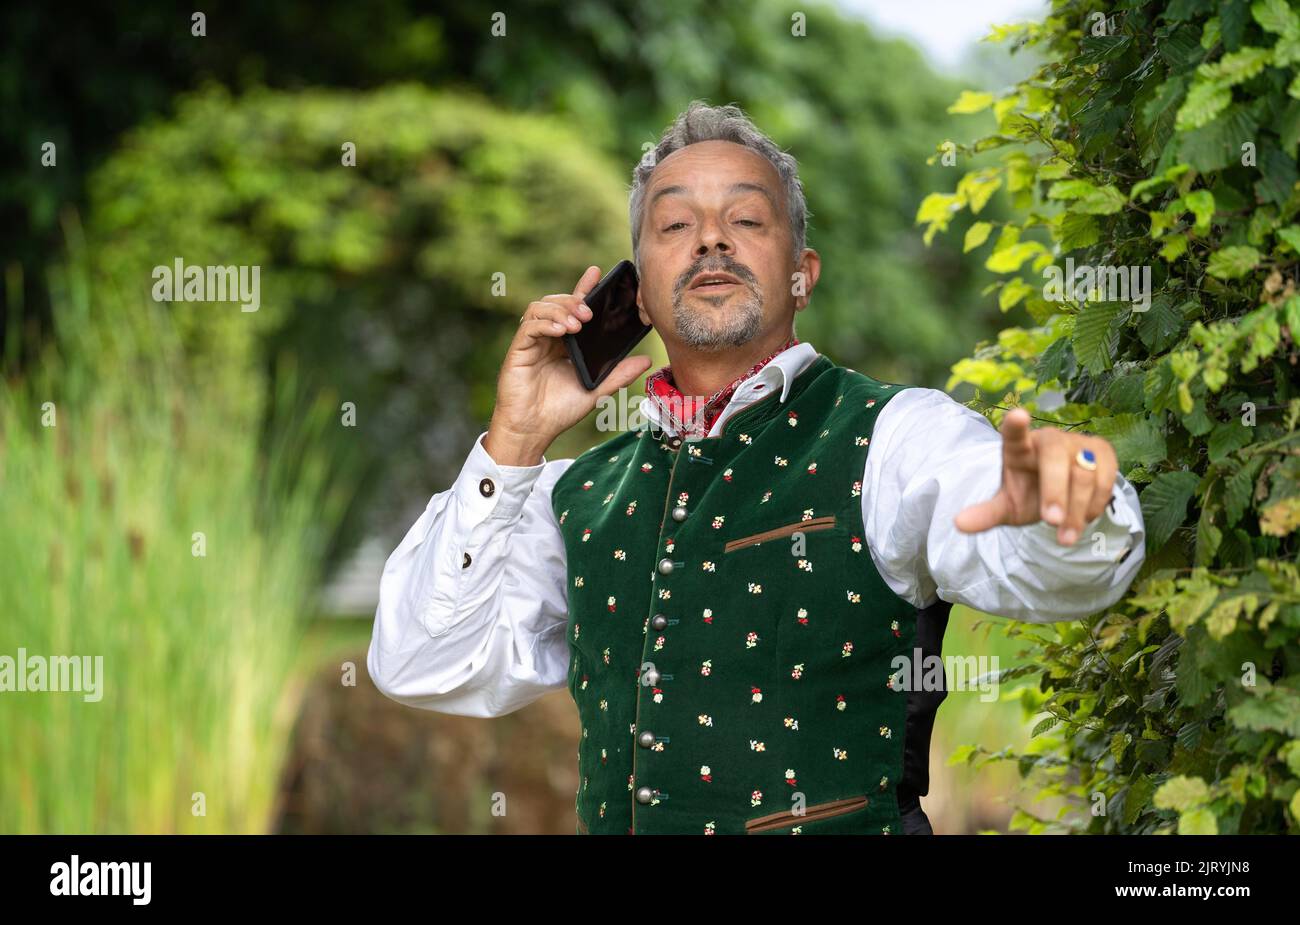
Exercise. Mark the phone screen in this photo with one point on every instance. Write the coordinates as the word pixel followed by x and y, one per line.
pixel 614 329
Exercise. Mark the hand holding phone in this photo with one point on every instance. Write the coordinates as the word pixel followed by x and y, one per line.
pixel 540 392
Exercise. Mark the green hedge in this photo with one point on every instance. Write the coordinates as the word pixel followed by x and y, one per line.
pixel 1160 135
pixel 395 282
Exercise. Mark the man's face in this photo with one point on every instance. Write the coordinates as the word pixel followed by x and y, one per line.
pixel 717 207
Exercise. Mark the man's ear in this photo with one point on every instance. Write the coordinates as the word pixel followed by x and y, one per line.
pixel 640 308
pixel 809 268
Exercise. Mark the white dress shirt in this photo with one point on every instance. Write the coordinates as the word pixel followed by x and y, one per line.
pixel 488 639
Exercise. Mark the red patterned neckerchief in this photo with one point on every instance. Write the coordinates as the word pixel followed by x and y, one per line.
pixel 697 415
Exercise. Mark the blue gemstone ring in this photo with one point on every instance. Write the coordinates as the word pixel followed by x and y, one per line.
pixel 1086 459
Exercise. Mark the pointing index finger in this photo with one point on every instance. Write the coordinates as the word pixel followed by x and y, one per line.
pixel 1016 444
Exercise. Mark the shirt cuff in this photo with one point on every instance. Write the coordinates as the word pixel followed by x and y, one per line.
pixel 1110 538
pixel 486 489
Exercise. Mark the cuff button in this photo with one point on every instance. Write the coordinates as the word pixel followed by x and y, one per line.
pixel 485 488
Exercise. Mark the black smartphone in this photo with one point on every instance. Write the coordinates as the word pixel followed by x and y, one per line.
pixel 614 329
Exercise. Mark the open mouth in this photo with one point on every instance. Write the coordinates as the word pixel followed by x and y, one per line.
pixel 714 282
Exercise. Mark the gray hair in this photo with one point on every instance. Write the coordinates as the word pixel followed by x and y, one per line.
pixel 702 122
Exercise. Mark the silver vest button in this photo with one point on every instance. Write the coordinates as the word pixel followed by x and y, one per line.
pixel 644 794
pixel 679 513
pixel 658 621
pixel 646 739
pixel 665 566
pixel 651 677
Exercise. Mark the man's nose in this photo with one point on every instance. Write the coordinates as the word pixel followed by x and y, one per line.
pixel 713 237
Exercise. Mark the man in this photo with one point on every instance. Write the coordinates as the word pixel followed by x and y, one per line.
pixel 727 592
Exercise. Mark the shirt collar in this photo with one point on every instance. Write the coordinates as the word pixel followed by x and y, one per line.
pixel 779 372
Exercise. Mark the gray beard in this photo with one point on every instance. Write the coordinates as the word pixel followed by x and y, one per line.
pixel 715 330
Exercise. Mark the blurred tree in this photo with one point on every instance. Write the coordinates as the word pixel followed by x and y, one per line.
pixel 399 280
pixel 861 113
pixel 353 266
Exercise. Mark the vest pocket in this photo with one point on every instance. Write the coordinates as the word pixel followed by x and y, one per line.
pixel 815 813
pixel 799 526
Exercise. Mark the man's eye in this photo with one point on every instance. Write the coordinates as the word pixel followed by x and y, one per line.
pixel 748 221
pixel 675 225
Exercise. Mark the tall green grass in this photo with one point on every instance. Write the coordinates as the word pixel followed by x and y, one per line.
pixel 97 521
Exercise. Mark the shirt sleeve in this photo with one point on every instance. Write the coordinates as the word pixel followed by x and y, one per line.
pixel 930 458
pixel 472 603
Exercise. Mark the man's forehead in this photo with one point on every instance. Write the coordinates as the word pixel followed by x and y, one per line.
pixel 713 162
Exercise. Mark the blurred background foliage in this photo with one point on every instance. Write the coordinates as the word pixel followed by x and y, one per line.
pixel 380 278
pixel 153 524
pixel 475 155
pixel 513 158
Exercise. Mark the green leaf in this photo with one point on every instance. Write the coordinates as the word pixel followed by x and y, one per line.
pixel 1292 314
pixel 1273 708
pixel 976 235
pixel 1233 262
pixel 1204 101
pixel 1288 127
pixel 1275 16
pixel 1164 505
pixel 1169 176
pixel 1122 396
pixel 1237 489
pixel 1043 725
pixel 1237 67
pixel 1118 744
pixel 1218 144
pixel 1183 10
pixel 1228 438
pixel 1057 362
pixel 1208 538
pixel 962 754
pixel 1200 204
pixel 1182 49
pixel 1212 34
pixel 1009 259
pixel 1278 174
pixel 1158 109
pixel 978 186
pixel 1093 337
pixel 1015 290
pixel 970 102
pixel 1174 248
pixel 1291 235
pixel 1074 230
pixel 1198 822
pixel 1182 794
pixel 1161 325
pixel 1160 387
pixel 1088 197
pixel 1234 16
pixel 1138 798
pixel 1197 422
pixel 1137 439
pixel 1287 50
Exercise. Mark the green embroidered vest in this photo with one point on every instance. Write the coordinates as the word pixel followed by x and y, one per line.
pixel 731 640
